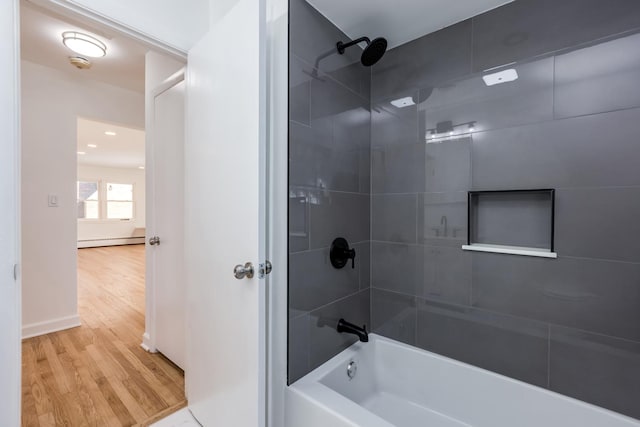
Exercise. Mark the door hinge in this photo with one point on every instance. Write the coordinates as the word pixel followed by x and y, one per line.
pixel 264 268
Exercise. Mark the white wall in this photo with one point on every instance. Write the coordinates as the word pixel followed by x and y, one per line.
pixel 103 232
pixel 51 102
pixel 177 23
pixel 9 243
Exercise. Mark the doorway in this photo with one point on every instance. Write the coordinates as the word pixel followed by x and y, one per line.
pixel 82 358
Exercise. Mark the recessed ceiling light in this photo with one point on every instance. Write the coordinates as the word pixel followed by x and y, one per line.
pixel 140 167
pixel 92 146
pixel 84 44
pixel 110 133
pixel 82 153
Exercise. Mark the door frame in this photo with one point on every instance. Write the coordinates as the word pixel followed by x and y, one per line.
pixel 10 240
pixel 149 335
pixel 277 12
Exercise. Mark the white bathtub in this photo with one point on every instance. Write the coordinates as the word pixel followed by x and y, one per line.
pixel 399 385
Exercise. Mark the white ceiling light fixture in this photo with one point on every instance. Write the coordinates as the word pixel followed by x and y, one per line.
pixel 110 133
pixel 92 146
pixel 81 153
pixel 403 102
pixel 84 44
pixel 140 167
pixel 500 77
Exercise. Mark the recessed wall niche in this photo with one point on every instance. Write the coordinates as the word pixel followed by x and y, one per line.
pixel 518 222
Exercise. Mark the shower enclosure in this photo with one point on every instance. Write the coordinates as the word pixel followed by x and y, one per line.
pixel 487 176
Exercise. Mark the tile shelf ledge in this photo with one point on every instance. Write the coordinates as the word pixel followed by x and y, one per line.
pixel 512 250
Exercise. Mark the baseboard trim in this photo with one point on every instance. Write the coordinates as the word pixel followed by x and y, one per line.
pixel 55 325
pixel 147 345
pixel 110 242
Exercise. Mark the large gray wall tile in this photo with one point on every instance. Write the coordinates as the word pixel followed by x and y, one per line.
pixel 510 346
pixel 310 148
pixel 588 151
pixel 338 215
pixel 313 39
pixel 447 274
pixel 393 217
pixel 298 220
pixel 442 218
pixel 396 267
pixel 599 223
pixel 599 296
pixel 363 262
pixel 298 352
pixel 316 282
pixel 398 169
pixel 425 62
pixel 598 78
pixel 325 341
pixel 299 90
pixel 448 165
pixel 527 28
pixel 529 99
pixel 392 125
pixel 595 368
pixel 330 98
pixel 393 315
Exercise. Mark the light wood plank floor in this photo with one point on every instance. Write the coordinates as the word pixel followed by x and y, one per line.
pixel 97 374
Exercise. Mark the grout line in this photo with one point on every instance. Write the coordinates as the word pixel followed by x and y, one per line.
pixel 325 74
pixel 553 88
pixel 548 356
pixel 309 188
pixel 336 300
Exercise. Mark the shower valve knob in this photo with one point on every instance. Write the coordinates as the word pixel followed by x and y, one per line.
pixel 340 253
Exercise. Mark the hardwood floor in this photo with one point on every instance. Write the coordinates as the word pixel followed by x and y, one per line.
pixel 97 374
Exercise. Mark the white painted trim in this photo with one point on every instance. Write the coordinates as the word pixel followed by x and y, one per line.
pixel 13 399
pixel 147 345
pixel 55 325
pixel 149 336
pixel 113 241
pixel 118 241
pixel 512 250
pixel 169 82
pixel 277 206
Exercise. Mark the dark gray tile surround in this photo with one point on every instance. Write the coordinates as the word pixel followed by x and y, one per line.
pixel 329 189
pixel 361 167
pixel 568 122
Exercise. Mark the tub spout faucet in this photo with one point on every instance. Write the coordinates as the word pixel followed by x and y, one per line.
pixel 350 328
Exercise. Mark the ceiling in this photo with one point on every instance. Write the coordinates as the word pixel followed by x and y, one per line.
pixel 399 21
pixel 123 150
pixel 41 42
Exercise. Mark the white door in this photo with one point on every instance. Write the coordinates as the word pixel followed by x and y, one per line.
pixel 168 225
pixel 225 221
pixel 9 287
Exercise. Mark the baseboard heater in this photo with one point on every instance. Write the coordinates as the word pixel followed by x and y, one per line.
pixel 111 241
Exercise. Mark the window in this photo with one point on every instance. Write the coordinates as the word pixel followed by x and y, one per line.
pixel 119 201
pixel 88 200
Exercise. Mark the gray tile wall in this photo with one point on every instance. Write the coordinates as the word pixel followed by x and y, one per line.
pixel 570 122
pixel 329 188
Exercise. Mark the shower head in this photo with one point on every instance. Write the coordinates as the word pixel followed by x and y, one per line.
pixel 371 54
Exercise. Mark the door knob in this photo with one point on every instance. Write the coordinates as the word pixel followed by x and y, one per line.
pixel 241 271
pixel 155 240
